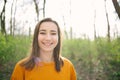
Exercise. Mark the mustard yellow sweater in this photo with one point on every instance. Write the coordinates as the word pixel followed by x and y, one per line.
pixel 46 71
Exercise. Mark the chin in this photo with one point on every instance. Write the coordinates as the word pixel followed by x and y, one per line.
pixel 48 50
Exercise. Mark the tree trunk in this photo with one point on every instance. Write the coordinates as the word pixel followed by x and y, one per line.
pixel 94 26
pixel 108 31
pixel 44 8
pixel 2 19
pixel 14 18
pixel 37 9
pixel 117 7
pixel 11 20
pixel 66 34
pixel 71 33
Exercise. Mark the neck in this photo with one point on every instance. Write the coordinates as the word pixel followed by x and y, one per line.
pixel 46 56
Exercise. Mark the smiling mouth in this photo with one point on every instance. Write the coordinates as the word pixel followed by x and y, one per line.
pixel 47 44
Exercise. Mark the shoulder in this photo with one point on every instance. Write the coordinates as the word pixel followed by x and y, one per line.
pixel 18 64
pixel 22 61
pixel 66 61
pixel 69 66
pixel 18 71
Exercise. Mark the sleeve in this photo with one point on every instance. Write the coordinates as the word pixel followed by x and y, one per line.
pixel 18 73
pixel 73 73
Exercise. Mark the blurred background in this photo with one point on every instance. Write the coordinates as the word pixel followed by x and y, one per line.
pixel 91 34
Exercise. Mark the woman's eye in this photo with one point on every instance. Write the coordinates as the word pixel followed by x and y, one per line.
pixel 53 33
pixel 42 33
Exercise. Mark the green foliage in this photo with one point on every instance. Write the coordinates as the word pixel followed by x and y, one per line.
pixel 12 49
pixel 94 60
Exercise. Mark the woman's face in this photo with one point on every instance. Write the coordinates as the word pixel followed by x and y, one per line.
pixel 48 36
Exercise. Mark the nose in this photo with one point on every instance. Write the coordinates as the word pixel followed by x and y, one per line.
pixel 48 37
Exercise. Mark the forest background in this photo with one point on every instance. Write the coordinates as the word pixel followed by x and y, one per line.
pixel 94 59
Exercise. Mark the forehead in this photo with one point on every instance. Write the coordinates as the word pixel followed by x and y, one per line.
pixel 48 26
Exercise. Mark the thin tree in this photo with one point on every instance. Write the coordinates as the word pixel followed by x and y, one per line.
pixel 71 31
pixel 14 18
pixel 66 34
pixel 11 19
pixel 2 19
pixel 44 2
pixel 36 9
pixel 94 25
pixel 117 7
pixel 108 25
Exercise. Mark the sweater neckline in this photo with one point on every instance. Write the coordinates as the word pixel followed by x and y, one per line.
pixel 45 63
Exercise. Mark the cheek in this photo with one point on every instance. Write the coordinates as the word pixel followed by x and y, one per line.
pixel 56 40
pixel 39 38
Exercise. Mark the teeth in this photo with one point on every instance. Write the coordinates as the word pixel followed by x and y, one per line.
pixel 47 44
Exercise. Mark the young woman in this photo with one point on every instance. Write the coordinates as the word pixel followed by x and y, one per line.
pixel 45 61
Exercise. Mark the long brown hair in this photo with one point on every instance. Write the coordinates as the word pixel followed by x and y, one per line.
pixel 30 62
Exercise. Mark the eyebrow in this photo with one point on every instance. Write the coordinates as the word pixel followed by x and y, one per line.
pixel 42 30
pixel 50 30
